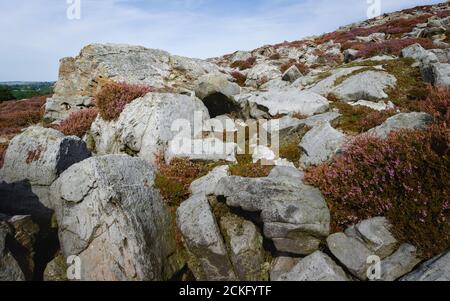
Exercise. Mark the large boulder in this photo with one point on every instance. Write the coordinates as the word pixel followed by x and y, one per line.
pixel 146 125
pixel 207 184
pixel 39 155
pixel 400 263
pixel 414 120
pixel 369 85
pixel 289 100
pixel 261 74
pixel 320 144
pixel 315 267
pixel 203 240
pixel 79 76
pixel 111 217
pixel 210 84
pixel 295 216
pixel 436 269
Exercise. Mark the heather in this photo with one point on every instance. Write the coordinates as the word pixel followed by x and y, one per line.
pixel 242 65
pixel 239 78
pixel 113 97
pixel 78 123
pixel 300 66
pixel 3 148
pixel 16 115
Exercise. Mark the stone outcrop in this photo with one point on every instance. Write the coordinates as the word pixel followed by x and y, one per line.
pixel 112 218
pixel 402 121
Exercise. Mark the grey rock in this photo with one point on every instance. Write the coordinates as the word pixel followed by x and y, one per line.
pixel 326 86
pixel 9 267
pixel 440 74
pixel 376 235
pixel 290 100
pixel 56 269
pixel 315 267
pixel 369 85
pixel 282 265
pixel 240 56
pixel 144 127
pixel 350 55
pixel 246 248
pixel 400 263
pixel 295 215
pixel 292 74
pixel 320 144
pixel 112 218
pixel 207 184
pixel 436 269
pixel 203 239
pixel 209 84
pixel 351 252
pixel 286 171
pixel 412 120
pixel 60 107
pixel 40 155
pixel 262 73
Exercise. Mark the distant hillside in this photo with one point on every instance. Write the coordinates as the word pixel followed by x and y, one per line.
pixel 22 90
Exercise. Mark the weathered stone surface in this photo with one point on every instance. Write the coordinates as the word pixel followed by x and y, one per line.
pixel 315 267
pixel 412 120
pixel 262 73
pixel 39 155
pixel 400 263
pixel 246 248
pixel 286 171
pixel 240 56
pixel 209 84
pixel 290 100
pixel 282 265
pixel 326 86
pixel 60 107
pixel 292 74
pixel 441 74
pixel 369 85
pixel 376 235
pixel 378 106
pixel 9 267
pixel 145 125
pixel 209 149
pixel 295 215
pixel 351 252
pixel 320 144
pixel 202 238
pixel 436 269
pixel 56 269
pixel 207 184
pixel 111 217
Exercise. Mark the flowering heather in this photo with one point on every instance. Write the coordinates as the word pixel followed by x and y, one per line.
pixel 242 65
pixel 78 123
pixel 404 178
pixel 113 97
pixel 16 115
pixel 394 47
pixel 300 66
pixel 239 77
pixel 3 148
pixel 437 104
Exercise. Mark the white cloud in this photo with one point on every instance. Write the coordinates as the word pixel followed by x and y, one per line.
pixel 36 33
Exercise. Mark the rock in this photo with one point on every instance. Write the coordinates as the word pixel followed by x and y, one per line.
pixel 60 107
pixel 39 155
pixel 440 74
pixel 376 235
pixel 375 37
pixel 315 267
pixel 292 74
pixel 9 267
pixel 202 238
pixel 290 100
pixel 210 84
pixel 56 269
pixel 295 215
pixel 209 149
pixel 443 55
pixel 286 171
pixel 240 56
pixel 246 248
pixel 262 73
pixel 316 120
pixel 412 120
pixel 326 86
pixel 436 269
pixel 207 184
pixel 320 144
pixel 112 218
pixel 25 237
pixel 79 77
pixel 377 106
pixel 145 126
pixel 351 252
pixel 350 55
pixel 282 265
pixel 267 156
pixel 369 85
pixel 400 263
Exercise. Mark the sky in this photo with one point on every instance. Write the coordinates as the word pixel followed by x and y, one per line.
pixel 35 34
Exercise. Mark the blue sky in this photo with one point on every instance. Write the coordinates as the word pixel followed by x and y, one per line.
pixel 37 33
